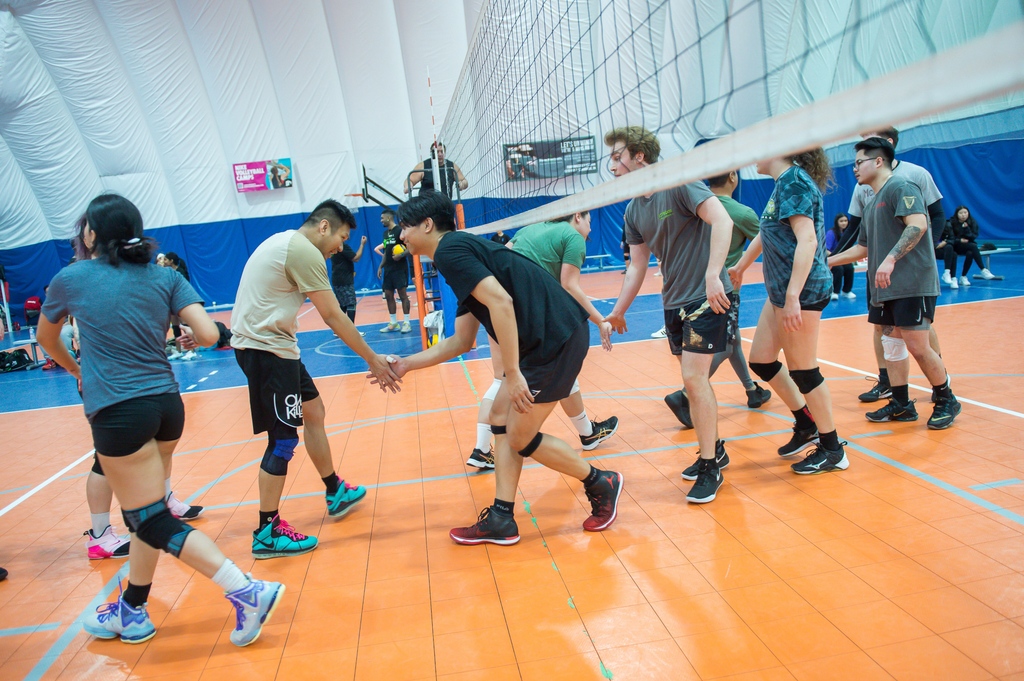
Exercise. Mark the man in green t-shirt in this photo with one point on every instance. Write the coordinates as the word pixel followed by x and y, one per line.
pixel 745 226
pixel 559 247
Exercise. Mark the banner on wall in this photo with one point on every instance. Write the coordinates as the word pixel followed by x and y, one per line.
pixel 550 158
pixel 261 176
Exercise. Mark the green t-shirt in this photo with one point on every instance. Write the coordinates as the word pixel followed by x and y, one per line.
pixel 550 245
pixel 745 226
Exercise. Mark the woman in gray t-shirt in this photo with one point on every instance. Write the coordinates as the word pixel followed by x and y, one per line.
pixel 799 286
pixel 123 305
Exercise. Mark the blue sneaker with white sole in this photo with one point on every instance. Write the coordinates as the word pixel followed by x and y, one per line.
pixel 120 619
pixel 254 604
pixel 342 501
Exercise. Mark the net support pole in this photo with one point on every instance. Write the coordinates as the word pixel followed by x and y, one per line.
pixel 421 298
pixel 433 126
pixel 460 216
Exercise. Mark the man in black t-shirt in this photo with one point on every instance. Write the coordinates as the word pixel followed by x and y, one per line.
pixel 394 273
pixel 544 338
pixel 343 277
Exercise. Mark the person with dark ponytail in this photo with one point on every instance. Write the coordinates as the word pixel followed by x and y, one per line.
pixel 122 304
pixel 174 261
pixel 842 276
pixel 799 285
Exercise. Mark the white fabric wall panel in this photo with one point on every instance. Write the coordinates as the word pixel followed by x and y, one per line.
pixel 21 220
pixel 75 47
pixel 432 35
pixel 41 134
pixel 228 47
pixel 369 57
pixel 165 76
pixel 297 43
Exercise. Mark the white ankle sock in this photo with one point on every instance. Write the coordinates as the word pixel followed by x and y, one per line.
pixel 394 319
pixel 583 425
pixel 100 521
pixel 483 437
pixel 229 577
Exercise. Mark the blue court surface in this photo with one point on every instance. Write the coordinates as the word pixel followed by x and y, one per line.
pixel 326 355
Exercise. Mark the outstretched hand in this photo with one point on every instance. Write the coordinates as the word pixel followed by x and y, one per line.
pixel 383 373
pixel 606 335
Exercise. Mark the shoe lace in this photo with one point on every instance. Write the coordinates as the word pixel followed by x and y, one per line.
pixel 109 609
pixel 348 487
pixel 287 530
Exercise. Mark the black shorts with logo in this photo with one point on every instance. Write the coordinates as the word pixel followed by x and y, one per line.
pixel 904 313
pixel 277 389
pixel 123 428
pixel 553 381
pixel 699 329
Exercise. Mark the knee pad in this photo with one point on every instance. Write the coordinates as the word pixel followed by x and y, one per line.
pixel 807 379
pixel 894 349
pixel 529 449
pixel 575 387
pixel 498 430
pixel 492 392
pixel 277 455
pixel 96 468
pixel 155 525
pixel 766 372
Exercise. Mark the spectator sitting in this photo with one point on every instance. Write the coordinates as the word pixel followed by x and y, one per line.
pixel 174 261
pixel 963 229
pixel 842 275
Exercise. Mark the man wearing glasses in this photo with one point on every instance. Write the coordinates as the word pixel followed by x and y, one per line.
pixel 689 231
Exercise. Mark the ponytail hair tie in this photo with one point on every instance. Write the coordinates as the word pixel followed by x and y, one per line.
pixel 133 241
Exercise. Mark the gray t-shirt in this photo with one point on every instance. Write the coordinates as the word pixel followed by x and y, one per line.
pixel 668 223
pixel 915 273
pixel 123 314
pixel 915 173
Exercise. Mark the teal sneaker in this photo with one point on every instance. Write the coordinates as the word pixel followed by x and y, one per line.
pixel 279 540
pixel 120 619
pixel 254 604
pixel 342 501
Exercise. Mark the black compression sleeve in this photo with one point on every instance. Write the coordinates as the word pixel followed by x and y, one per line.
pixel 937 218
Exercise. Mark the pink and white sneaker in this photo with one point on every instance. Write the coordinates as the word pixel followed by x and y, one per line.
pixel 181 510
pixel 107 545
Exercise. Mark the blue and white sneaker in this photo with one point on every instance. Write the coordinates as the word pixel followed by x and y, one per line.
pixel 342 501
pixel 254 604
pixel 120 619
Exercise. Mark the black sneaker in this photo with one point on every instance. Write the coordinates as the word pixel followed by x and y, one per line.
pixel 802 439
pixel 481 459
pixel 604 501
pixel 946 410
pixel 721 458
pixel 822 461
pixel 757 396
pixel 879 391
pixel 602 430
pixel 709 479
pixel 491 527
pixel 894 411
pixel 680 406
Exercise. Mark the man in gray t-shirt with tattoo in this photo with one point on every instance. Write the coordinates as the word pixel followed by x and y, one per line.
pixel 901 266
pixel 689 231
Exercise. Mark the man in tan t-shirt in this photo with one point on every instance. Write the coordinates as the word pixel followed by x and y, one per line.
pixel 281 273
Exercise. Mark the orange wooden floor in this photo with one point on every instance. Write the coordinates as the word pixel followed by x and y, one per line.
pixel 900 567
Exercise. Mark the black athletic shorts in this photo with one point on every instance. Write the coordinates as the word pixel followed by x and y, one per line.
pixel 553 381
pixel 277 389
pixel 395 279
pixel 904 313
pixel 818 306
pixel 699 329
pixel 123 428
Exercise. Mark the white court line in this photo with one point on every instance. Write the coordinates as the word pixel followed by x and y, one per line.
pixel 44 483
pixel 191 386
pixel 965 400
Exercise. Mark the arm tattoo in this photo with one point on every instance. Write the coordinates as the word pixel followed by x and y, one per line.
pixel 911 235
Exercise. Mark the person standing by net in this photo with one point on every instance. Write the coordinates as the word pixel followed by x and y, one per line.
pixel 423 174
pixel 688 230
pixel 799 283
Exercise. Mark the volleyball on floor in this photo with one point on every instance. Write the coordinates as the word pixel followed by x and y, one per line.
pixel 399 249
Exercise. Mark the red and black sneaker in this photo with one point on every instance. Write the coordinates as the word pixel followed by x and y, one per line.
pixel 491 527
pixel 604 501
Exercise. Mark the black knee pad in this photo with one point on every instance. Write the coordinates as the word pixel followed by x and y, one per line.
pixel 96 468
pixel 277 455
pixel 498 430
pixel 529 449
pixel 155 525
pixel 807 379
pixel 766 372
